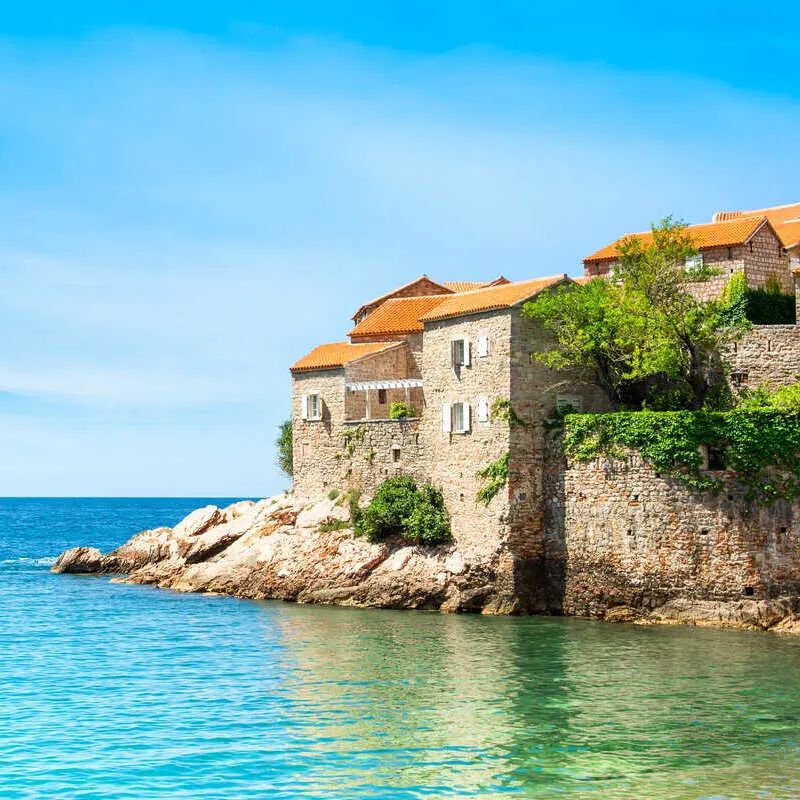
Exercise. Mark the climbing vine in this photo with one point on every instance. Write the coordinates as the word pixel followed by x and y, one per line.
pixel 352 437
pixel 503 410
pixel 496 477
pixel 761 446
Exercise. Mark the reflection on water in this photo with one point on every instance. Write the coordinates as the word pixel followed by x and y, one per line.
pixel 465 705
pixel 112 691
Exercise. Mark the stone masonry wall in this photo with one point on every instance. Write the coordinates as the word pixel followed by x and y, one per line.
pixel 534 392
pixel 764 257
pixel 618 534
pixel 453 459
pixel 768 354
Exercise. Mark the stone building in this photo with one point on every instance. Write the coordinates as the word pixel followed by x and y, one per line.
pixel 453 357
pixel 747 244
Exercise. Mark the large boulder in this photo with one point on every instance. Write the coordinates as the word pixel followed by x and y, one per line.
pixel 79 560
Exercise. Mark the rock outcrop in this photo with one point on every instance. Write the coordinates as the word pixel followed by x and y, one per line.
pixel 275 549
pixel 281 549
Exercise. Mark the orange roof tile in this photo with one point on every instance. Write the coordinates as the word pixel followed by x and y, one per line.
pixel 784 219
pixel 400 315
pixel 337 354
pixel 464 286
pixel 502 296
pixel 789 233
pixel 711 234
pixel 388 295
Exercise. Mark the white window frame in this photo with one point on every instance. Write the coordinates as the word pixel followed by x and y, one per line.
pixel 695 262
pixel 461 425
pixel 309 406
pixel 462 358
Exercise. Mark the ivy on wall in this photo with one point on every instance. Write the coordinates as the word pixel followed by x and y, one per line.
pixel 761 446
pixel 496 477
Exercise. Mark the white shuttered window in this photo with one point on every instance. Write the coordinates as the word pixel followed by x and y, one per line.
pixel 482 409
pixel 483 346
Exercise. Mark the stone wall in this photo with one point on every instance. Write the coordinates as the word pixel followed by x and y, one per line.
pixel 453 459
pixel 764 257
pixel 534 392
pixel 618 534
pixel 768 354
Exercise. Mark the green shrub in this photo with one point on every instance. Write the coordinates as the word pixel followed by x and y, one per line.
pixel 284 443
pixel 333 494
pixel 399 508
pixel 428 523
pixel 767 306
pixel 402 411
pixel 332 524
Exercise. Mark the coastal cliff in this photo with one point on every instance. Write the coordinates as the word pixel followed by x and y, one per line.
pixel 275 549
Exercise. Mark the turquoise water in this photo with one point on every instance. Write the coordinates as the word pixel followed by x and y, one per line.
pixel 114 691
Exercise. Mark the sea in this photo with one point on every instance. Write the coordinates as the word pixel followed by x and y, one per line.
pixel 116 691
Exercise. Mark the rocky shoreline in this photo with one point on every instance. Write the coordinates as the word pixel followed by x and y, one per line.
pixel 282 549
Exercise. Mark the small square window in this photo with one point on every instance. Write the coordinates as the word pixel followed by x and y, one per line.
pixel 382 397
pixel 395 454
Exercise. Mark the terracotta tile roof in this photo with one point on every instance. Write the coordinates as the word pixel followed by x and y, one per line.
pixel 785 220
pixel 388 295
pixel 789 233
pixel 337 354
pixel 711 234
pixel 400 315
pixel 464 286
pixel 502 296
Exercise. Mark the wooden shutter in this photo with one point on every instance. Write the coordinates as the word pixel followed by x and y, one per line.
pixel 482 409
pixel 483 346
pixel 466 417
pixel 447 418
pixel 304 407
pixel 466 352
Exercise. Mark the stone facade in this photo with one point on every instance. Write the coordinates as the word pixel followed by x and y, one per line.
pixel 620 535
pixel 768 355
pixel 578 538
pixel 759 259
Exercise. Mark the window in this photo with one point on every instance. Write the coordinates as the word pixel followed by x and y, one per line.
pixel 460 352
pixel 395 454
pixel 569 404
pixel 382 397
pixel 483 346
pixel 738 378
pixel 312 407
pixel 482 409
pixel 460 417
pixel 694 263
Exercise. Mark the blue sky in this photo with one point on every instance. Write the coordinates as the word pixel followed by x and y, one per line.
pixel 194 196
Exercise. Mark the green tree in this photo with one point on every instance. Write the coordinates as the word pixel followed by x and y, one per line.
pixel 645 337
pixel 284 443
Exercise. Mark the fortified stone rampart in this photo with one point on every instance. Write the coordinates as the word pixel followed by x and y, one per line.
pixel 621 535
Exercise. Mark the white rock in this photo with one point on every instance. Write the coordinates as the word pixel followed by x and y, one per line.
pixel 198 521
pixel 455 563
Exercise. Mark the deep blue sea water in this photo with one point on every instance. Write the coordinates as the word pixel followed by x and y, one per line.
pixel 115 691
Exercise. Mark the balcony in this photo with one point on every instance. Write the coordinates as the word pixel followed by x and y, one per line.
pixel 366 401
